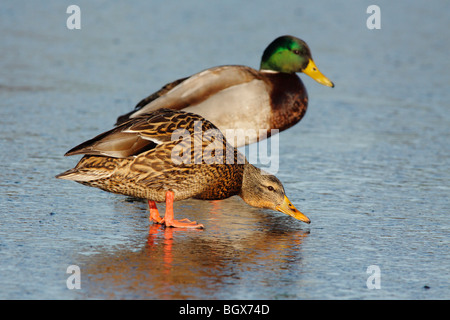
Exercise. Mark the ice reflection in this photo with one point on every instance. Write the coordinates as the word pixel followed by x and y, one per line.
pixel 195 264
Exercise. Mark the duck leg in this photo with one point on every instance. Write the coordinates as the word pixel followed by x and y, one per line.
pixel 154 214
pixel 169 217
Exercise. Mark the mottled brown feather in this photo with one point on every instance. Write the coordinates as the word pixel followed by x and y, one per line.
pixel 199 163
pixel 151 173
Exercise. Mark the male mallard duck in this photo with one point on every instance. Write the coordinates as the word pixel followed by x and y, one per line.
pixel 170 155
pixel 239 97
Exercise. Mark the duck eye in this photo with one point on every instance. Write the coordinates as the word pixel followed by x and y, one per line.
pixel 296 51
pixel 270 188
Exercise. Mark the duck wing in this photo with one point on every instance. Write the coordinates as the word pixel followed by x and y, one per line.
pixel 193 90
pixel 125 117
pixel 137 135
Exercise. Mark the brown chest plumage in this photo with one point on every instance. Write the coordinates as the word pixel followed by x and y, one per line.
pixel 288 98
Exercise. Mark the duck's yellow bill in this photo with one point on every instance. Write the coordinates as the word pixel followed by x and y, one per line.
pixel 314 72
pixel 288 208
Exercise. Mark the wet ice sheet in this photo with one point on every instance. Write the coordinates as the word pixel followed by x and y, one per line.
pixel 369 164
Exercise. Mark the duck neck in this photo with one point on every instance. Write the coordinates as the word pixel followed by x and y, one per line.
pixel 288 97
pixel 249 186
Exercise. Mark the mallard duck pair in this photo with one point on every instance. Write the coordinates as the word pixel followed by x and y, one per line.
pixel 151 153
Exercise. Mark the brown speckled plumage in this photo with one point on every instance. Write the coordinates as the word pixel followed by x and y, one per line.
pixel 177 152
pixel 151 173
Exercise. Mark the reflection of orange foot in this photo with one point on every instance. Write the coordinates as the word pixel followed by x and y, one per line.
pixel 168 219
pixel 153 234
pixel 216 205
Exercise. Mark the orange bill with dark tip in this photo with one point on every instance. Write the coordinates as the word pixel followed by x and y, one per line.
pixel 288 208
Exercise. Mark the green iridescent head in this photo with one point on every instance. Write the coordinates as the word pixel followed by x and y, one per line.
pixel 289 54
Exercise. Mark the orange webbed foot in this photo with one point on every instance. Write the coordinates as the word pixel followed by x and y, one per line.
pixel 183 223
pixel 169 220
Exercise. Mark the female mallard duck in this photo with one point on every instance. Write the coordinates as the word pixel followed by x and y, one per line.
pixel 170 155
pixel 239 97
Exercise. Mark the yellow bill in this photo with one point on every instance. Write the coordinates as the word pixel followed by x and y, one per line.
pixel 288 208
pixel 314 72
